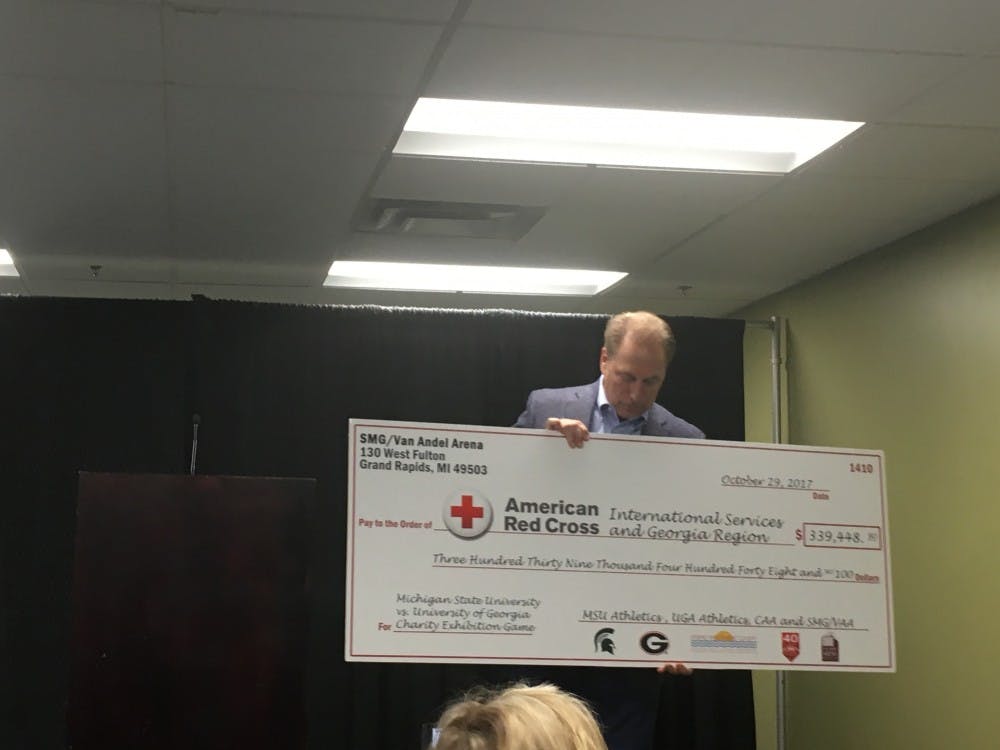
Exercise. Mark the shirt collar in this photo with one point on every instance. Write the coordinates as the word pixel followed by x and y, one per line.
pixel 602 397
pixel 610 413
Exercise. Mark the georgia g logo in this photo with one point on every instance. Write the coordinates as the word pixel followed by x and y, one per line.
pixel 654 642
pixel 467 514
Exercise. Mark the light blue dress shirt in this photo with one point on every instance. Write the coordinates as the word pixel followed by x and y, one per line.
pixel 605 419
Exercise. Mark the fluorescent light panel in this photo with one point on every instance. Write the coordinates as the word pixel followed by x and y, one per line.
pixel 506 131
pixel 7 264
pixel 429 277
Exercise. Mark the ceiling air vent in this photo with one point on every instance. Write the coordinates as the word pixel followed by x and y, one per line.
pixel 490 221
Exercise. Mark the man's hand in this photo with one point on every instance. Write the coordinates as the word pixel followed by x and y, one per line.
pixel 575 431
pixel 675 667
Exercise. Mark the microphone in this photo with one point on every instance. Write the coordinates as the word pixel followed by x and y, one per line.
pixel 196 420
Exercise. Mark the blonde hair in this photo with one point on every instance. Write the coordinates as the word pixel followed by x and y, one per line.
pixel 521 717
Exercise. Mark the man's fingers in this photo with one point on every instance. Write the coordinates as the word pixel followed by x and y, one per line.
pixel 676 668
pixel 575 431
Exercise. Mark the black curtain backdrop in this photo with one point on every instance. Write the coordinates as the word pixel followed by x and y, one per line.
pixel 99 385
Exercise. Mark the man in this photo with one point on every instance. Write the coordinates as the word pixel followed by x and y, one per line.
pixel 638 347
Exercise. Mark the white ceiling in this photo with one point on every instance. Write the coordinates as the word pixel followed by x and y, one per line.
pixel 224 147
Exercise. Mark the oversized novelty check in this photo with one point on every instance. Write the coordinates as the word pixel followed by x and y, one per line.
pixel 495 545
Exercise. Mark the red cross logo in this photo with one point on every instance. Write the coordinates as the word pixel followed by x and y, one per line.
pixel 466 511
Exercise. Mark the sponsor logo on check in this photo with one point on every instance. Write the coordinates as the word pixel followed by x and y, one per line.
pixel 654 642
pixel 603 642
pixel 724 641
pixel 829 647
pixel 467 514
pixel 790 645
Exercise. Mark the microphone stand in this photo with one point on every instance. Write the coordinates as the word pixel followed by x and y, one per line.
pixel 196 420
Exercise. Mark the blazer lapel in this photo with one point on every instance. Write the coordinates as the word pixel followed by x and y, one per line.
pixel 580 403
pixel 656 424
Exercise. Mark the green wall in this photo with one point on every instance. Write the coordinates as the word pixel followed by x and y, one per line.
pixel 900 350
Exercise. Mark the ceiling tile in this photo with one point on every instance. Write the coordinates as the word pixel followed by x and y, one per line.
pixel 964 98
pixel 83 167
pixel 894 200
pixel 835 84
pixel 676 19
pixel 597 218
pixel 264 123
pixel 402 10
pixel 272 51
pixel 957 26
pixel 459 180
pixel 922 152
pixel 425 10
pixel 622 219
pixel 80 40
pixel 963 26
pixel 273 188
pixel 515 65
pixel 757 252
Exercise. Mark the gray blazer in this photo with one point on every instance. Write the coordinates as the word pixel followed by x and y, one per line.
pixel 578 403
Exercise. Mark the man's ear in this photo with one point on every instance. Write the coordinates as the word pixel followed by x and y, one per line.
pixel 604 359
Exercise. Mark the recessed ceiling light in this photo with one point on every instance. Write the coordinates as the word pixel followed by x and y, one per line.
pixel 7 264
pixel 506 131
pixel 429 277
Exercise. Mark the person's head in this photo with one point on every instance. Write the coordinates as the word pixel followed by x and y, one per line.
pixel 638 346
pixel 521 717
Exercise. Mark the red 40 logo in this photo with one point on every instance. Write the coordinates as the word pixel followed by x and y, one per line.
pixel 790 645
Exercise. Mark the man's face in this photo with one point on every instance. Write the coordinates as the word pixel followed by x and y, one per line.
pixel 633 376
